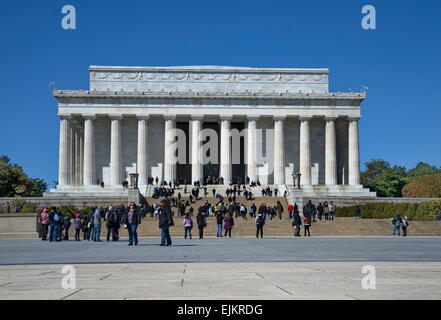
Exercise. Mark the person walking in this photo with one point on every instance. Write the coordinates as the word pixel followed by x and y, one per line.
pixel 307 224
pixel 228 224
pixel 202 223
pixel 44 221
pixel 188 225
pixel 279 210
pixel 96 225
pixel 290 210
pixel 405 225
pixel 260 222
pixel 111 224
pixel 397 223
pixel 219 221
pixel 320 211
pixel 296 223
pixel 133 219
pixel 165 222
pixel 77 226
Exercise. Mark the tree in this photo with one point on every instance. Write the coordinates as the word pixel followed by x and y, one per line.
pixel 423 169
pixel 384 180
pixel 424 187
pixel 13 181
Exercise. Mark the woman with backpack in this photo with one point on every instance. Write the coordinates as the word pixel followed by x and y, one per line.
pixel 202 223
pixel 188 225
pixel 228 224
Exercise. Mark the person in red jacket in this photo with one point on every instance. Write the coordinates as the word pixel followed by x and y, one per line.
pixel 290 210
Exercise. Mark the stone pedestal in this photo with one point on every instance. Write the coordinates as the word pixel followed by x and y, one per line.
pixel 134 196
pixel 297 197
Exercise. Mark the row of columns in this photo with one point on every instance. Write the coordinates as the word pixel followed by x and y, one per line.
pixel 77 151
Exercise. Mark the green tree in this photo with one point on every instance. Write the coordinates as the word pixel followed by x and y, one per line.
pixel 13 181
pixel 386 181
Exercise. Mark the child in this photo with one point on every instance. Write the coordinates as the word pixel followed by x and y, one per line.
pixel 188 225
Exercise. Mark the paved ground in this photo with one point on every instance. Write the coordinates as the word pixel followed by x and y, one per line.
pixel 237 268
pixel 287 249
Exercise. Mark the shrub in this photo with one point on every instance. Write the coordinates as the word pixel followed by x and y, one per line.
pixel 424 187
pixel 414 211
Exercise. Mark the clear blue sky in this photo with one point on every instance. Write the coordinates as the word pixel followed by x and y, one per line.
pixel 400 62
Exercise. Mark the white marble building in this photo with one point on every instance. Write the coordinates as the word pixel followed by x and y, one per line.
pixel 123 124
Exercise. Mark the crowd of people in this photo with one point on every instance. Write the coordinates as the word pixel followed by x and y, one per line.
pixel 55 227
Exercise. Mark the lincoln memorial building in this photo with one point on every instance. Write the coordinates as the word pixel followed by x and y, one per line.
pixel 194 122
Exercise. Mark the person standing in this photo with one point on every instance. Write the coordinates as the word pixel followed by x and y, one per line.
pixel 357 213
pixel 296 223
pixel 326 210
pixel 397 223
pixel 405 225
pixel 54 221
pixel 290 210
pixel 111 218
pixel 188 225
pixel 260 222
pixel 96 225
pixel 165 221
pixel 202 223
pixel 219 220
pixel 133 219
pixel 44 221
pixel 77 226
pixel 67 223
pixel 228 224
pixel 307 224
pixel 332 208
pixel 7 208
pixel 320 211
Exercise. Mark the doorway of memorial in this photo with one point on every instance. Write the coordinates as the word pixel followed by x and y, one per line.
pixel 238 170
pixel 211 147
pixel 183 170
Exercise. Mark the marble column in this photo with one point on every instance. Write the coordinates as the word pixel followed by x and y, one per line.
pixel 71 154
pixel 63 166
pixel 251 149
pixel 330 152
pixel 115 152
pixel 77 157
pixel 305 151
pixel 225 149
pixel 81 156
pixel 353 152
pixel 196 149
pixel 142 161
pixel 169 159
pixel 279 151
pixel 89 151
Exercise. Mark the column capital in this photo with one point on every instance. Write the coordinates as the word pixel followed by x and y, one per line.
pixel 197 117
pixel 350 119
pixel 145 117
pixel 169 117
pixel 253 117
pixel 331 118
pixel 279 118
pixel 226 117
pixel 115 116
pixel 89 116
pixel 64 116
pixel 305 118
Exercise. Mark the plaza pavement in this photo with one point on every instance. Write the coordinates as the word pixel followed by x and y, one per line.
pixel 236 268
